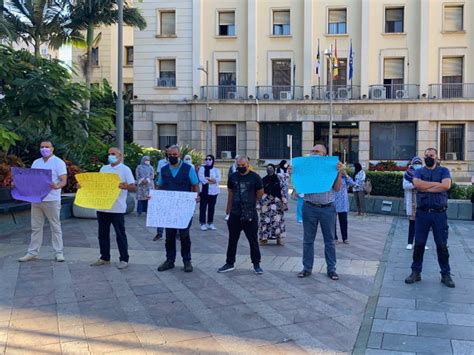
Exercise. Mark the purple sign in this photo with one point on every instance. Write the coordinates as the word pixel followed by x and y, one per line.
pixel 31 185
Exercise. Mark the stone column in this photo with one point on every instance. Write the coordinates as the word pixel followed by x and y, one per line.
pixel 364 143
pixel 252 48
pixel 364 49
pixel 307 136
pixel 196 62
pixel 426 136
pixel 424 42
pixel 253 141
pixel 308 47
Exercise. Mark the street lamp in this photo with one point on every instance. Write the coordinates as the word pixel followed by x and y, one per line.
pixel 329 53
pixel 205 70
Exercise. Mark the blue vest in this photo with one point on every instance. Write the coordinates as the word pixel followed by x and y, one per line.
pixel 432 199
pixel 180 182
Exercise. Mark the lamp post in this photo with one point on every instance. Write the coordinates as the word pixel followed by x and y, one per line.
pixel 329 54
pixel 205 70
pixel 119 105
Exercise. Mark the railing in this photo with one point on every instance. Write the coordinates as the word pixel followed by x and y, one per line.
pixel 451 91
pixel 339 92
pixel 225 92
pixel 166 82
pixel 280 92
pixel 394 92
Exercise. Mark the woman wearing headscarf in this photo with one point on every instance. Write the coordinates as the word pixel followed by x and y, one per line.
pixel 341 201
pixel 358 189
pixel 145 176
pixel 282 173
pixel 272 207
pixel 209 178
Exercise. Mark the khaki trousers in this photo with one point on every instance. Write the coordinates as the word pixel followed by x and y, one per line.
pixel 39 211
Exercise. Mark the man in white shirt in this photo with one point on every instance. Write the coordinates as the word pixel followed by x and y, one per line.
pixel 49 207
pixel 116 214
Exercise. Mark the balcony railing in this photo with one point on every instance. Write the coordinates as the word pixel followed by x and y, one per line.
pixel 339 92
pixel 166 82
pixel 225 92
pixel 394 92
pixel 451 91
pixel 280 92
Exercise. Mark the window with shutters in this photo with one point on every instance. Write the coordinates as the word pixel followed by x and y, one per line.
pixel 452 142
pixel 393 77
pixel 166 69
pixel 166 23
pixel 226 23
pixel 281 23
pixel 167 135
pixel 227 78
pixel 453 20
pixel 128 55
pixel 281 77
pixel 226 140
pixel 392 140
pixel 394 20
pixel 341 78
pixel 337 21
pixel 452 77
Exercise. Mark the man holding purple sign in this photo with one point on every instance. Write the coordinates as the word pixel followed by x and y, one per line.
pixel 48 206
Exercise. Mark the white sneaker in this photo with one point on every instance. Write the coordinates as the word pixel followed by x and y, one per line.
pixel 226 218
pixel 409 247
pixel 122 265
pixel 27 257
pixel 59 258
pixel 211 226
pixel 426 247
pixel 203 227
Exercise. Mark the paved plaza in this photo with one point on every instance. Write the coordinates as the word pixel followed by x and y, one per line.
pixel 48 307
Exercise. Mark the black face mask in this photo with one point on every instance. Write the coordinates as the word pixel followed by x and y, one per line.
pixel 270 172
pixel 242 169
pixel 429 162
pixel 173 160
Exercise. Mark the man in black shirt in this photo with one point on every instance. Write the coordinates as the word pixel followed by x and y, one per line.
pixel 245 188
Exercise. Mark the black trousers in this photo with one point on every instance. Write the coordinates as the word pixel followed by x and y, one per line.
pixel 250 229
pixel 207 203
pixel 105 219
pixel 411 231
pixel 170 243
pixel 342 224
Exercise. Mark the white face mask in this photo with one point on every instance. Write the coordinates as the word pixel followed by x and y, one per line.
pixel 188 161
pixel 147 162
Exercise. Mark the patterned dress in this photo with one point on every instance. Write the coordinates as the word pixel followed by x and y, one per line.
pixel 272 209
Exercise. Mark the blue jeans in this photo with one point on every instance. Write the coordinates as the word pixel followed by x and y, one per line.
pixel 312 216
pixel 299 209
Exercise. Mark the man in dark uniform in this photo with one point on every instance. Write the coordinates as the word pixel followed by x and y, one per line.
pixel 432 183
pixel 177 176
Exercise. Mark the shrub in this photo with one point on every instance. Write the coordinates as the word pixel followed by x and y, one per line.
pixel 386 183
pixel 460 192
pixel 6 163
pixel 197 157
pixel 386 166
pixel 72 170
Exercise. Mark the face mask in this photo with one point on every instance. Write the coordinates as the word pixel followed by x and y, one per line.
pixel 417 166
pixel 270 171
pixel 112 159
pixel 147 162
pixel 173 160
pixel 45 152
pixel 209 162
pixel 242 169
pixel 429 161
pixel 188 161
pixel 285 166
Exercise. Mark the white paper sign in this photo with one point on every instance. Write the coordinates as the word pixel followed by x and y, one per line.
pixel 170 209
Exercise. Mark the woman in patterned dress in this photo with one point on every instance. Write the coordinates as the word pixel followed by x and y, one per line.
pixel 272 207
pixel 145 176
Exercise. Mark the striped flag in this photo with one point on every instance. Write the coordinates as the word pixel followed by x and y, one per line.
pixel 335 62
pixel 351 62
pixel 318 62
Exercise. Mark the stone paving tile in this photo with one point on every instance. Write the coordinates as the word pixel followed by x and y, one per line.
pixel 416 344
pixel 446 331
pixel 394 326
pixel 461 347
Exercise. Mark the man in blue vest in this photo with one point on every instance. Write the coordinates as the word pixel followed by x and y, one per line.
pixel 432 183
pixel 177 176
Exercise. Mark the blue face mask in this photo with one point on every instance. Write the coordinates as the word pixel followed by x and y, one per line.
pixel 112 159
pixel 417 166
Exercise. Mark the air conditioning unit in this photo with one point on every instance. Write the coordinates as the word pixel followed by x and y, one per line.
pixel 328 94
pixel 451 156
pixel 378 93
pixel 344 93
pixel 266 96
pixel 231 95
pixel 225 154
pixel 401 94
pixel 285 95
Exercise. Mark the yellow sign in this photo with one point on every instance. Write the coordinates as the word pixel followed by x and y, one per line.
pixel 98 190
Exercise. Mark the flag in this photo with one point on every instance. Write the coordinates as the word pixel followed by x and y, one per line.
pixel 318 62
pixel 335 67
pixel 351 62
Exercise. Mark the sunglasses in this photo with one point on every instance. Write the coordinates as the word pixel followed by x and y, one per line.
pixel 208 159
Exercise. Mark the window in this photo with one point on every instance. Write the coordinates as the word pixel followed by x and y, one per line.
pixel 394 20
pixel 95 56
pixel 226 140
pixel 227 23
pixel 166 73
pixel 392 140
pixel 128 90
pixel 345 143
pixel 281 77
pixel 227 79
pixel 129 55
pixel 167 23
pixel 167 135
pixel 452 72
pixel 281 23
pixel 273 140
pixel 393 76
pixel 452 142
pixel 453 18
pixel 341 78
pixel 337 23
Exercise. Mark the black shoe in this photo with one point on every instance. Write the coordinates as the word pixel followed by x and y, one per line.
pixel 226 268
pixel 304 273
pixel 447 280
pixel 166 266
pixel 188 267
pixel 414 277
pixel 158 236
pixel 333 276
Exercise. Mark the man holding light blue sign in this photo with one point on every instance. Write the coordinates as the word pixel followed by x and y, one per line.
pixel 318 177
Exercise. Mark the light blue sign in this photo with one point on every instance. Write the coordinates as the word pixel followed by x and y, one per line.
pixel 314 174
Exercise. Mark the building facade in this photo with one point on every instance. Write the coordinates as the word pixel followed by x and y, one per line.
pixel 408 84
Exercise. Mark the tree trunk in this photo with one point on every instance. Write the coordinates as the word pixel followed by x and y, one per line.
pixel 37 48
pixel 88 65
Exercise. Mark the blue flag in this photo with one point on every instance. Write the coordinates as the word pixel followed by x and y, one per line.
pixel 318 63
pixel 351 62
